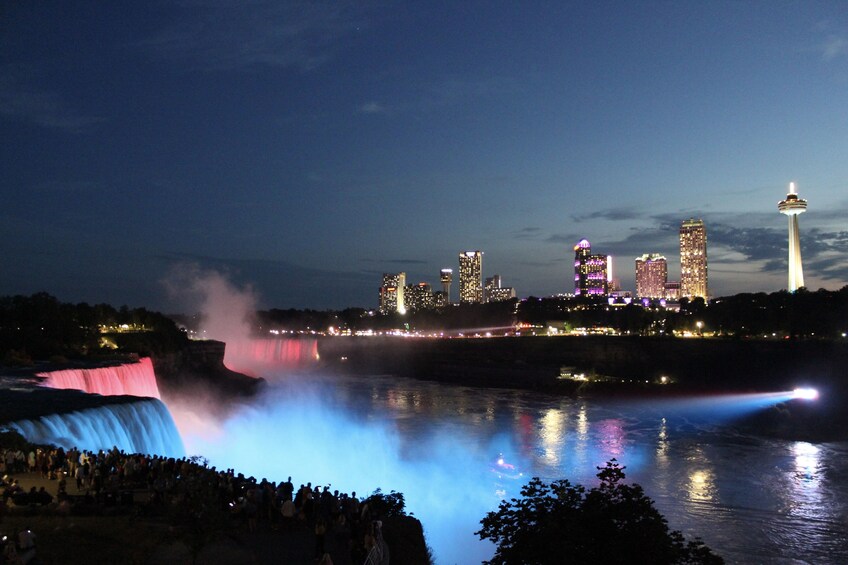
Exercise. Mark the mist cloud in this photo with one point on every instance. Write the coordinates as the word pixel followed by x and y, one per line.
pixel 227 310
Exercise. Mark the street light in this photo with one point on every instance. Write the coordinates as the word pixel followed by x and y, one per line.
pixel 700 325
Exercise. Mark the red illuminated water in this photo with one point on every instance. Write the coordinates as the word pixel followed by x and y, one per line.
pixel 135 379
pixel 264 356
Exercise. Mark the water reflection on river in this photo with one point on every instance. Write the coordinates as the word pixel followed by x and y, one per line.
pixel 753 500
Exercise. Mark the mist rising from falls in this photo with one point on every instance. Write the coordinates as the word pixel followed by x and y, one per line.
pixel 228 311
pixel 134 379
pixel 143 426
pixel 305 429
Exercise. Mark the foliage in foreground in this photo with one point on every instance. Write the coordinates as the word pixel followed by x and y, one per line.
pixel 564 523
pixel 384 505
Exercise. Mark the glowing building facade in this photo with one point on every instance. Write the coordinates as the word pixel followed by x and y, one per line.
pixel 495 292
pixel 471 277
pixel 591 277
pixel 392 293
pixel 418 296
pixel 792 207
pixel 651 276
pixel 446 278
pixel 672 291
pixel 693 259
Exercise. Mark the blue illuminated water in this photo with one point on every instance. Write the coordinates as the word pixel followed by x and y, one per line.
pixel 143 426
pixel 753 500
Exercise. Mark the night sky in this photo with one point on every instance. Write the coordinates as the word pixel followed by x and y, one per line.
pixel 306 148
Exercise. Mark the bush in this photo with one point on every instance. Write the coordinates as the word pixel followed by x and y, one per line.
pixel 385 505
pixel 564 523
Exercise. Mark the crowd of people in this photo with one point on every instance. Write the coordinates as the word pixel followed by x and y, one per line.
pixel 189 488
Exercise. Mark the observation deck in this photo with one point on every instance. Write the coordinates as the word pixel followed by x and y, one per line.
pixel 792 205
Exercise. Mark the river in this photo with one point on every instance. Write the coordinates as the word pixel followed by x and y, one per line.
pixel 751 499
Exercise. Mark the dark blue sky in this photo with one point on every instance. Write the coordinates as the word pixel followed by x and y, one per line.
pixel 306 148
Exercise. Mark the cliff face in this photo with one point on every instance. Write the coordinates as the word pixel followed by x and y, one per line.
pixel 200 365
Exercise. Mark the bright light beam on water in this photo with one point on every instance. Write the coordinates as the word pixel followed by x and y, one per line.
pixel 720 407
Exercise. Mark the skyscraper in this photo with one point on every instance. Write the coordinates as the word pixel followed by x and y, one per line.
pixel 391 293
pixel 418 297
pixel 693 259
pixel 791 207
pixel 651 276
pixel 446 277
pixel 471 277
pixel 590 271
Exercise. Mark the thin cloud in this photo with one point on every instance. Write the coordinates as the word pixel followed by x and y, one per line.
pixel 754 243
pixel 405 261
pixel 26 104
pixel 834 46
pixel 444 93
pixel 542 264
pixel 831 40
pixel 396 261
pixel 372 108
pixel 614 214
pixel 562 238
pixel 828 269
pixel 237 36
pixel 451 91
pixel 527 233
pixel 658 239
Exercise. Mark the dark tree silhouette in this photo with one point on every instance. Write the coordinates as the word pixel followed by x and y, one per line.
pixel 564 523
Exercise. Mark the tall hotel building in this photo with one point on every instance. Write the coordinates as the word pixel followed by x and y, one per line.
pixel 471 277
pixel 693 259
pixel 446 278
pixel 391 293
pixel 651 276
pixel 590 271
pixel 418 297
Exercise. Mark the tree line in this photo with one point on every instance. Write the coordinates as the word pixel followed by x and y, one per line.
pixel 40 326
pixel 802 314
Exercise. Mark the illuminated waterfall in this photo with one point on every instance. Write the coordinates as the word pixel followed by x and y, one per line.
pixel 136 427
pixel 135 379
pixel 260 355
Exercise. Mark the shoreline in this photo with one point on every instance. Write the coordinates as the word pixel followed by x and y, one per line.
pixel 695 367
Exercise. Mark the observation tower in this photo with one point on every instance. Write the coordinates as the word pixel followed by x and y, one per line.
pixel 792 206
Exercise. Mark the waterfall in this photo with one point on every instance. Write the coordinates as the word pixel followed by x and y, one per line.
pixel 257 356
pixel 143 426
pixel 135 379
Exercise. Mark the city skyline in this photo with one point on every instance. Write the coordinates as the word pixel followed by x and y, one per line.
pixel 303 149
